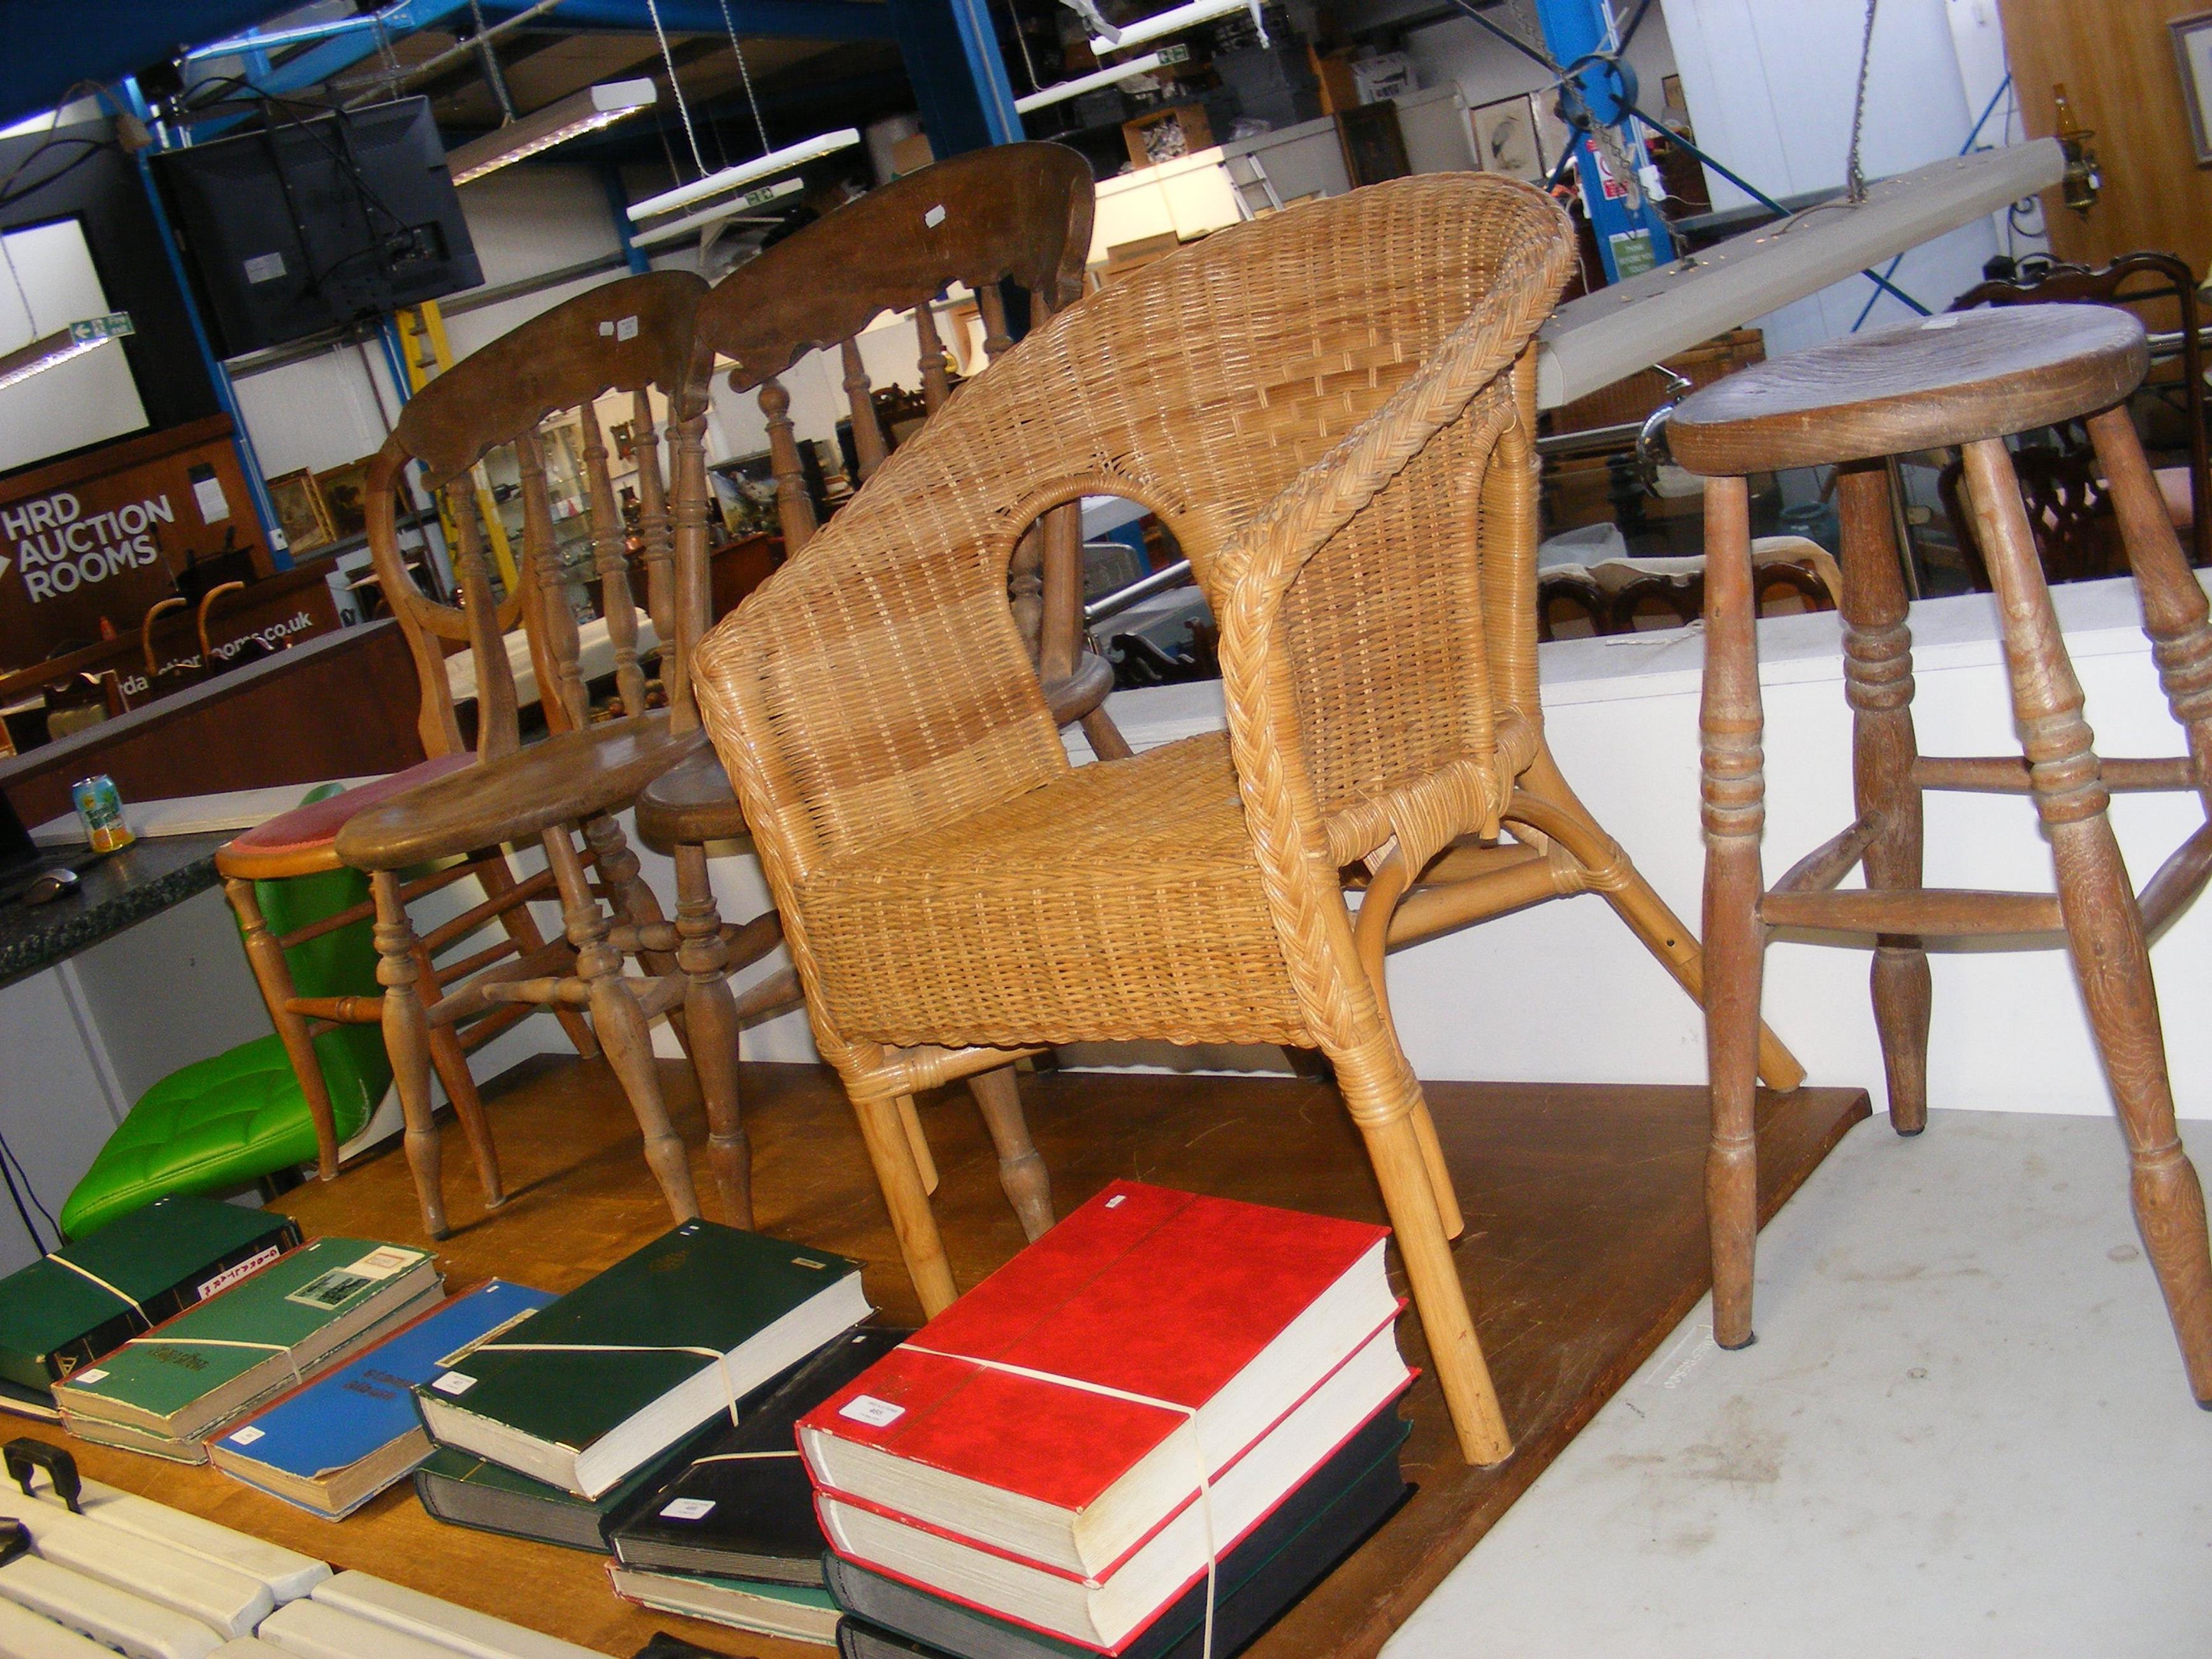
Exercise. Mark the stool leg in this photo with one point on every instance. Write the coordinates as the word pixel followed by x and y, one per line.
pixel 1734 796
pixel 2174 610
pixel 407 1041
pixel 2104 929
pixel 1020 1169
pixel 1878 685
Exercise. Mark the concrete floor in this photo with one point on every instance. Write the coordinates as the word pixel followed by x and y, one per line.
pixel 1963 1430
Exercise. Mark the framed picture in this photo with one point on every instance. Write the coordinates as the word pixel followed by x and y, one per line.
pixel 2192 52
pixel 1670 89
pixel 301 510
pixel 1505 138
pixel 344 489
pixel 1373 143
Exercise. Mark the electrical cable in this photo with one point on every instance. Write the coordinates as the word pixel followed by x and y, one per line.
pixel 7 1154
pixel 1635 22
pixel 1466 7
pixel 31 1227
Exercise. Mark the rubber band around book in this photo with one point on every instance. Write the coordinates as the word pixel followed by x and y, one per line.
pixel 721 1360
pixel 1189 1415
pixel 290 1358
pixel 61 1261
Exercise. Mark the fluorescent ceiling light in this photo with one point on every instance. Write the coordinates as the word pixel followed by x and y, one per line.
pixel 761 167
pixel 677 229
pixel 1064 90
pixel 1168 22
pixel 61 345
pixel 580 112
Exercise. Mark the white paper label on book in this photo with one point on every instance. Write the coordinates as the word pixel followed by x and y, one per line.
pixel 245 1437
pixel 876 1413
pixel 454 1383
pixel 92 1376
pixel 688 1508
pixel 230 1275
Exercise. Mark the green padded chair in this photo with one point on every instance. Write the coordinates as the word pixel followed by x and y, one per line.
pixel 220 1124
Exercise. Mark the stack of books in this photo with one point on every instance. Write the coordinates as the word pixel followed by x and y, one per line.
pixel 166 1391
pixel 1161 1384
pixel 66 1311
pixel 604 1421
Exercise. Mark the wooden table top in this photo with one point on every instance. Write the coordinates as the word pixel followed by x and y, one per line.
pixel 1585 1245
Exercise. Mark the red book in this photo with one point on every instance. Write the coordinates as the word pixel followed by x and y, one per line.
pixel 1268 1325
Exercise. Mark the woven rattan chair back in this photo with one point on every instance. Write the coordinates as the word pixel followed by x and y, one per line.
pixel 628 336
pixel 894 689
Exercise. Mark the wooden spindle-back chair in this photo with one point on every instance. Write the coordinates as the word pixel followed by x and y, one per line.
pixel 630 335
pixel 1018 214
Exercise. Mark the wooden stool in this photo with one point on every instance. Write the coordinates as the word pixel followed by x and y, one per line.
pixel 1966 379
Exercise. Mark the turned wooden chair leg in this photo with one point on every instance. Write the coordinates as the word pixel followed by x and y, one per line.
pixel 2175 613
pixel 920 1247
pixel 1735 812
pixel 2104 928
pixel 1878 686
pixel 274 976
pixel 496 877
pixel 1637 903
pixel 407 1040
pixel 621 1025
pixel 633 901
pixel 451 1062
pixel 711 1014
pixel 1021 1170
pixel 1382 1095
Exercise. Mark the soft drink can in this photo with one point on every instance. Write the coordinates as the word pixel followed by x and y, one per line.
pixel 101 810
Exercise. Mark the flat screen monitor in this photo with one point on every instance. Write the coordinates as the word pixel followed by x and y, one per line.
pixel 319 219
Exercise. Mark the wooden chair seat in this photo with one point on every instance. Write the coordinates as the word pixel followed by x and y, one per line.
pixel 1944 381
pixel 304 840
pixel 1120 900
pixel 570 776
pixel 692 801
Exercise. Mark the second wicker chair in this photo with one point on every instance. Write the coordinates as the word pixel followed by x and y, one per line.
pixel 1332 410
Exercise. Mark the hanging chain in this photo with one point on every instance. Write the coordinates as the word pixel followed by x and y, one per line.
pixel 683 108
pixel 1854 180
pixel 1022 36
pixel 746 74
pixel 490 62
pixel 391 70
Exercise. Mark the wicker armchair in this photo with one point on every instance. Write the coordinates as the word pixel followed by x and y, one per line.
pixel 1332 409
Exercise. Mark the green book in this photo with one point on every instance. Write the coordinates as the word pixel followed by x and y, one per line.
pixel 193 1373
pixel 65 1311
pixel 586 1391
pixel 792 1610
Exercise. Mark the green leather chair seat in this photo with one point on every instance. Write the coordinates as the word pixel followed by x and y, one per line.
pixel 219 1124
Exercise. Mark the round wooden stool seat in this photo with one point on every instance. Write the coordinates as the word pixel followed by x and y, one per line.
pixel 1940 380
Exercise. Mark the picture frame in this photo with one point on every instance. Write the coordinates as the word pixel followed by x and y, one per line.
pixel 1670 92
pixel 2192 56
pixel 1374 143
pixel 301 510
pixel 344 492
pixel 1505 138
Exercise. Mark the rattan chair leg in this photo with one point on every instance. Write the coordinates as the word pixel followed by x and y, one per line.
pixel 1021 1171
pixel 1440 1176
pixel 1409 1195
pixel 917 1142
pixel 2104 928
pixel 1878 685
pixel 496 877
pixel 920 1245
pixel 407 1040
pixel 1735 939
pixel 711 1013
pixel 274 976
pixel 621 1025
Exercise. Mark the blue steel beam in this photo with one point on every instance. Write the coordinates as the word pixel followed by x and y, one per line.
pixel 1575 30
pixel 959 79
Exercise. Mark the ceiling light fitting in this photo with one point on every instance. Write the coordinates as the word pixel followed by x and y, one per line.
pixel 720 213
pixel 578 113
pixel 1173 22
pixel 62 344
pixel 1062 91
pixel 746 172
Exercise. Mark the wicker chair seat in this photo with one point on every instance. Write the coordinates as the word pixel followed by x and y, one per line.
pixel 1120 900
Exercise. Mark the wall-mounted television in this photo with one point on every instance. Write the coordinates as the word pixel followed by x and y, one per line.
pixel 318 219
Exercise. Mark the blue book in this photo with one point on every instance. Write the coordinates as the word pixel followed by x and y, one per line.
pixel 332 1443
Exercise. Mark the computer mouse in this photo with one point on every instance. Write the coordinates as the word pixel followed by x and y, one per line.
pixel 51 886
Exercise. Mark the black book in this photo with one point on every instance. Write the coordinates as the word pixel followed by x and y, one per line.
pixel 1323 1521
pixel 740 1505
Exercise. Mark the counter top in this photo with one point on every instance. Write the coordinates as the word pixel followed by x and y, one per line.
pixel 145 877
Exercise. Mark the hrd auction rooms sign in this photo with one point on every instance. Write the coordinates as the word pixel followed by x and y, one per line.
pixel 103 535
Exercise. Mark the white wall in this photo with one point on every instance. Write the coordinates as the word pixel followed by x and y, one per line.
pixel 1770 90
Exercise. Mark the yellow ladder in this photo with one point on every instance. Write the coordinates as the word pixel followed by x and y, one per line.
pixel 424 350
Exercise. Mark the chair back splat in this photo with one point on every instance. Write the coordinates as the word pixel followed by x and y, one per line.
pixel 627 336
